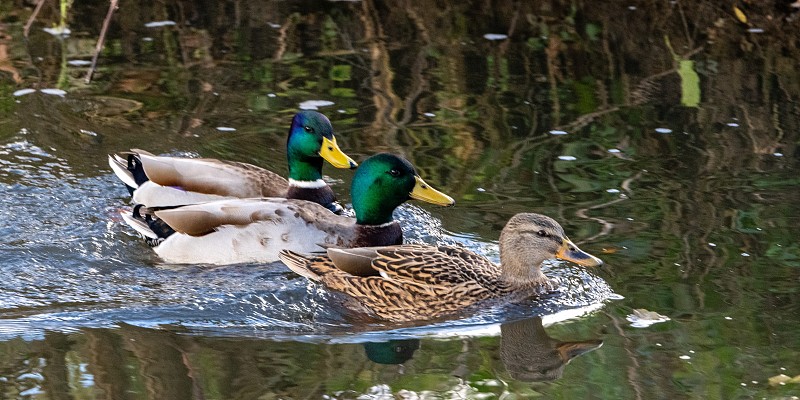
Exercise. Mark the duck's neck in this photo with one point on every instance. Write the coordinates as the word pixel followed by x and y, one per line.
pixel 519 270
pixel 373 217
pixel 388 234
pixel 371 209
pixel 304 169
pixel 316 191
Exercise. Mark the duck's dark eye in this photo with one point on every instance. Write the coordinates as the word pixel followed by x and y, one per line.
pixel 308 129
pixel 394 172
pixel 542 233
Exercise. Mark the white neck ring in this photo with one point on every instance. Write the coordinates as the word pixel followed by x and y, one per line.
pixel 319 183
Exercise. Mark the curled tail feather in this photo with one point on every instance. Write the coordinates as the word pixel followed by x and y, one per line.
pixel 143 220
pixel 130 171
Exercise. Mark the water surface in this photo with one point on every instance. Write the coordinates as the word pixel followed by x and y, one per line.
pixel 663 138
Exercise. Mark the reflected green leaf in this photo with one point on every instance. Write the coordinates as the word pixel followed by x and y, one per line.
pixel 343 92
pixel 593 31
pixel 340 73
pixel 690 83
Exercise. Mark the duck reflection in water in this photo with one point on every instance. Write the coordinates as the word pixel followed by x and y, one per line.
pixel 528 353
pixel 395 351
pixel 531 355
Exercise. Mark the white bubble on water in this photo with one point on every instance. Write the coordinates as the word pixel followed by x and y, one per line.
pixel 495 36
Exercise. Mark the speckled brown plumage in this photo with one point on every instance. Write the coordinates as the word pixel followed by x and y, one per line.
pixel 417 282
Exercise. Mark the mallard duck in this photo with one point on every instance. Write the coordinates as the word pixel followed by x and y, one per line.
pixel 255 230
pixel 170 181
pixel 419 282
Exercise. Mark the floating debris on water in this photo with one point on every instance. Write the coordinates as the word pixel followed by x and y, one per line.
pixel 54 92
pixel 23 92
pixel 567 158
pixel 226 129
pixel 781 379
pixel 314 104
pixel 557 132
pixel 158 24
pixel 642 318
pixel 60 31
pixel 663 130
pixel 495 36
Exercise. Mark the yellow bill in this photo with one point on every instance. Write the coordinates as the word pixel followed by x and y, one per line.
pixel 331 152
pixel 569 252
pixel 423 191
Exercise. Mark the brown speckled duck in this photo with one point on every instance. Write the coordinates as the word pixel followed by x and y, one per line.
pixel 156 181
pixel 418 282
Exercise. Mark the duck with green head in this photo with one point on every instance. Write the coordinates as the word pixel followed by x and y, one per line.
pixel 418 282
pixel 159 182
pixel 255 230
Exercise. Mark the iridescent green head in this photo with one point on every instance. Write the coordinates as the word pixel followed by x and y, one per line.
pixel 311 140
pixel 383 182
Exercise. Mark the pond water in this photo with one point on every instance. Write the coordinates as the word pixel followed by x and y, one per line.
pixel 662 137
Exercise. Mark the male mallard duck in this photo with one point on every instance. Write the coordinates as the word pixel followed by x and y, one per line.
pixel 255 230
pixel 416 282
pixel 169 181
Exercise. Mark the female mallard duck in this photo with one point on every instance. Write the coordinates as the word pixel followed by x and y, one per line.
pixel 169 181
pixel 417 282
pixel 255 230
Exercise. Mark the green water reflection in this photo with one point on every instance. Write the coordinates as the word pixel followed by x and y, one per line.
pixel 132 362
pixel 679 167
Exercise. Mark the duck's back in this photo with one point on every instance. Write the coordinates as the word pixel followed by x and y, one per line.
pixel 249 230
pixel 416 281
pixel 215 177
